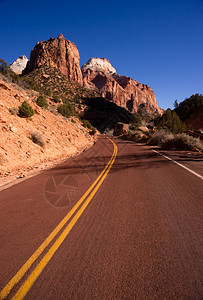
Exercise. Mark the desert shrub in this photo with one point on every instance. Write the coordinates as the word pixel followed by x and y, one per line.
pixel 25 110
pixel 87 124
pixel 14 111
pixel 42 101
pixel 37 138
pixel 137 121
pixel 56 99
pixel 48 93
pixel 66 110
pixel 73 121
pixel 157 137
pixel 182 141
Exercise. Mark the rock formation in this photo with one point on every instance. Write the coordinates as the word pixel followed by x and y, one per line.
pixel 19 64
pixel 99 64
pixel 59 53
pixel 99 75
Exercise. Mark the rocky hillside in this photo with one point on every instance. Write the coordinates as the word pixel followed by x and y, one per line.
pixel 99 75
pixel 50 81
pixel 195 120
pixel 190 111
pixel 28 145
pixel 58 53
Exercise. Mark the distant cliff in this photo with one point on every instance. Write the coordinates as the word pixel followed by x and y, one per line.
pixel 98 74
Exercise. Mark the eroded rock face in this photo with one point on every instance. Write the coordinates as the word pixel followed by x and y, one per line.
pixel 59 53
pixel 19 64
pixel 99 64
pixel 122 90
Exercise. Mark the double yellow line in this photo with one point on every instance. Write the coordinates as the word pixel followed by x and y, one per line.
pixel 89 194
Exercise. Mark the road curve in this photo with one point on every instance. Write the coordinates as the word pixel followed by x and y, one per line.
pixel 139 236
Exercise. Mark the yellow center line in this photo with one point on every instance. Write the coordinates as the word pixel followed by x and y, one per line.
pixel 44 261
pixel 6 290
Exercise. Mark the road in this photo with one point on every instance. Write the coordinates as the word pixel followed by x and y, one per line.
pixel 118 221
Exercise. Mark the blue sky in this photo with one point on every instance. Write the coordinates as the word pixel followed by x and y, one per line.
pixel 156 42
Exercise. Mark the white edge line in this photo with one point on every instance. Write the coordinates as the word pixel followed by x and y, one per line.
pixel 194 173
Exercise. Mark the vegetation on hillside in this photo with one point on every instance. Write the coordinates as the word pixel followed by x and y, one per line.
pixel 25 110
pixel 136 122
pixel 8 73
pixel 185 108
pixel 170 121
pixel 42 101
pixel 51 82
pixel 67 110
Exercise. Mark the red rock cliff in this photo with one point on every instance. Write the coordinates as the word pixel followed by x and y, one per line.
pixel 59 53
pixel 122 90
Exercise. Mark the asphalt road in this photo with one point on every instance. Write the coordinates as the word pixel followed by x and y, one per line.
pixel 136 233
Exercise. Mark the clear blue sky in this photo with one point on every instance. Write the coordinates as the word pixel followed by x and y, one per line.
pixel 157 42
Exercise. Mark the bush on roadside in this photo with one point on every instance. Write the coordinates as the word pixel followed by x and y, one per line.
pixel 181 141
pixel 42 101
pixel 158 136
pixel 25 110
pixel 37 138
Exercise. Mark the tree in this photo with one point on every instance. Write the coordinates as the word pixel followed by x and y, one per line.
pixel 175 104
pixel 170 121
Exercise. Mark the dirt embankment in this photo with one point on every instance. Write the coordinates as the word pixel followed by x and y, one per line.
pixel 19 155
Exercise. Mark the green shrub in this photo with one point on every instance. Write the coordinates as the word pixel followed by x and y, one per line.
pixel 73 121
pixel 37 138
pixel 42 101
pixel 137 121
pixel 25 110
pixel 66 110
pixel 87 124
pixel 56 99
pixel 48 93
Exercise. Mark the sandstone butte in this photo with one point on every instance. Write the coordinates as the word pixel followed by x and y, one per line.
pixel 126 92
pixel 97 74
pixel 59 53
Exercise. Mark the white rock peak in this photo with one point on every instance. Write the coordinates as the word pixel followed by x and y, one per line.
pixel 99 64
pixel 19 64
